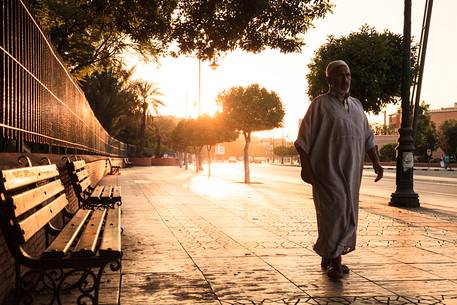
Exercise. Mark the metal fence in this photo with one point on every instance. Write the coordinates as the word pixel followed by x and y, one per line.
pixel 41 105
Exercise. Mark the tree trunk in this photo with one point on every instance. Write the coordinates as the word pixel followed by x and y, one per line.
pixel 186 161
pixel 198 159
pixel 179 155
pixel 208 148
pixel 247 139
pixel 158 144
pixel 142 130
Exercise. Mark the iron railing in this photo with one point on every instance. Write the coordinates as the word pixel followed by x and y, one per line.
pixel 41 105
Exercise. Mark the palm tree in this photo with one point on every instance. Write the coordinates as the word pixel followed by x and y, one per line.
pixel 149 95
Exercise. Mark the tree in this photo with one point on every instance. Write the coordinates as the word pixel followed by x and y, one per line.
pixel 162 130
pixel 281 151
pixel 448 137
pixel 180 139
pixel 149 94
pixel 375 62
pixel 388 152
pixel 110 96
pixel 197 134
pixel 211 27
pixel 249 109
pixel 216 130
pixel 93 33
pixel 285 151
pixel 426 136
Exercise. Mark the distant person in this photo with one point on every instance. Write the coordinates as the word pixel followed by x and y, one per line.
pixel 446 161
pixel 333 139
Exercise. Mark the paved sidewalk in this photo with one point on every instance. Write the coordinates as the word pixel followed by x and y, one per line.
pixel 192 240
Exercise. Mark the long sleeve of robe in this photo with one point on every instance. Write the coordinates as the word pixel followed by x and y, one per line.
pixel 336 139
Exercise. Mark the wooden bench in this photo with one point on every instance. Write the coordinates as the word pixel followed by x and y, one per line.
pixel 75 253
pixel 127 162
pixel 114 169
pixel 90 196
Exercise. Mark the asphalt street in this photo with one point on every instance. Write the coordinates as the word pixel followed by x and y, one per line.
pixel 436 190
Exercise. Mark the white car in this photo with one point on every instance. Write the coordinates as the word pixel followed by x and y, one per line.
pixel 232 159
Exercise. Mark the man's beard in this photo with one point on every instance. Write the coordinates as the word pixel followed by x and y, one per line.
pixel 340 92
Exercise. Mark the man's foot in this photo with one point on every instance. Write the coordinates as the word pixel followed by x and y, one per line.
pixel 335 273
pixel 326 263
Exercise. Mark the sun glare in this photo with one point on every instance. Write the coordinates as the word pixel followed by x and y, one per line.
pixel 212 187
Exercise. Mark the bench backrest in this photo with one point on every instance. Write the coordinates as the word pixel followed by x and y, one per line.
pixel 30 198
pixel 79 175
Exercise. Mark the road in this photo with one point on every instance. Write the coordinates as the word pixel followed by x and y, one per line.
pixel 438 193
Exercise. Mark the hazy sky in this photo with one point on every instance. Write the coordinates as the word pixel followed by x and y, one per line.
pixel 285 74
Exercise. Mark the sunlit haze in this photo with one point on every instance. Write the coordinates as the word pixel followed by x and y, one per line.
pixel 285 73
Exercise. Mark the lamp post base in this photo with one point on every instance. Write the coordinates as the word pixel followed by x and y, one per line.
pixel 405 200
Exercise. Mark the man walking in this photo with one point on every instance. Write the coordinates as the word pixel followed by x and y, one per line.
pixel 333 139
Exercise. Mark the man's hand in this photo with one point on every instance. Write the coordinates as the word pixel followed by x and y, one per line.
pixel 306 171
pixel 379 170
pixel 373 154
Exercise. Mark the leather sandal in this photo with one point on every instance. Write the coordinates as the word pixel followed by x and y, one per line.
pixel 326 263
pixel 335 273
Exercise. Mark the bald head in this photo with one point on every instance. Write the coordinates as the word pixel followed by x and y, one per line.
pixel 334 64
pixel 338 77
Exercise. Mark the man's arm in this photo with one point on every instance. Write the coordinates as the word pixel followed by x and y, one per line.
pixel 306 171
pixel 373 155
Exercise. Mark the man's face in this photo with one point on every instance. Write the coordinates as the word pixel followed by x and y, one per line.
pixel 340 79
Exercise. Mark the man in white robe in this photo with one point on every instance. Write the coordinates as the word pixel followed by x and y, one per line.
pixel 333 139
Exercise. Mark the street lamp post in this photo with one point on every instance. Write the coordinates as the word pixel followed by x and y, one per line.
pixel 404 195
pixel 199 87
pixel 213 66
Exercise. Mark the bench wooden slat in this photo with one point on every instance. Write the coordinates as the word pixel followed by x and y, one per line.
pixel 31 198
pixel 84 184
pixel 107 190
pixel 15 178
pixel 117 192
pixel 78 164
pixel 111 242
pixel 88 240
pixel 39 219
pixel 97 192
pixel 82 174
pixel 60 246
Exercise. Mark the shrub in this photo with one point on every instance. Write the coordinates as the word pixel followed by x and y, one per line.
pixel 387 152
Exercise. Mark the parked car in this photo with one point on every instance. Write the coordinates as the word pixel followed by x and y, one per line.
pixel 232 159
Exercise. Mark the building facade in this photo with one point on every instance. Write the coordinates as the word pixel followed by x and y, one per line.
pixel 438 116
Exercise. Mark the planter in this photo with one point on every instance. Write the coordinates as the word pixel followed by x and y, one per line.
pixel 164 162
pixel 141 161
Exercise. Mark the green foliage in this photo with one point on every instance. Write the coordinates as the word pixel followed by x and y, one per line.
pixel 180 138
pixel 211 27
pixel 205 130
pixel 89 34
pixel 160 130
pixel 448 137
pixel 110 97
pixel 248 109
pixel 388 152
pixel 148 95
pixel 196 133
pixel 251 108
pixel 375 62
pixel 426 136
pixel 285 151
